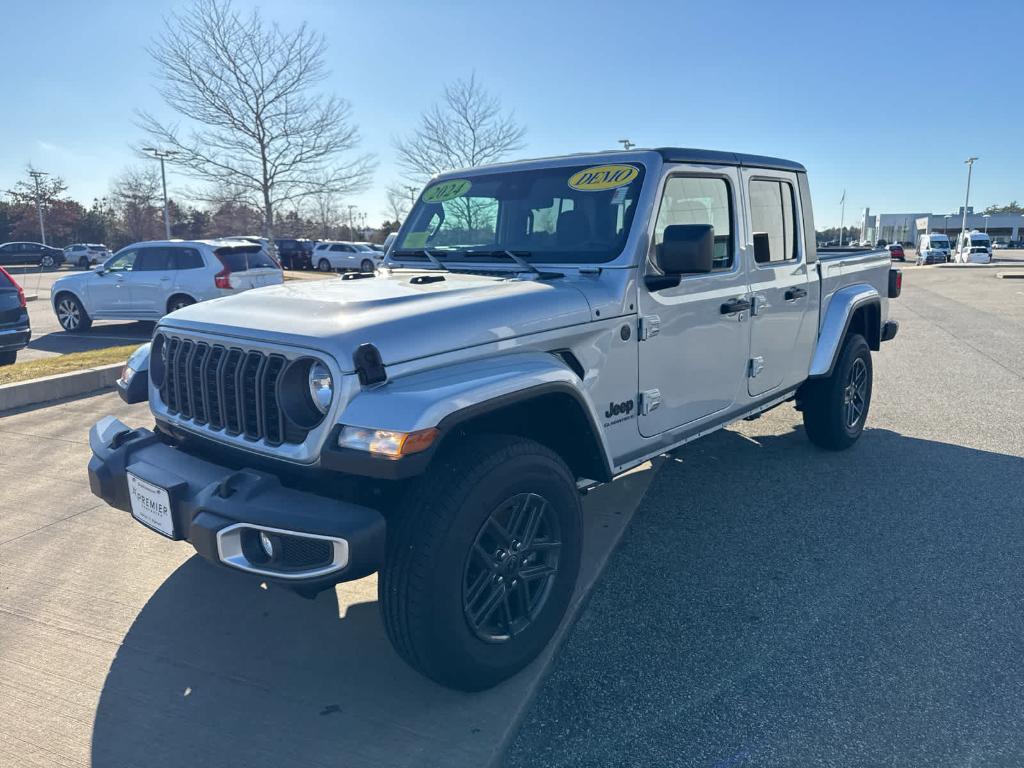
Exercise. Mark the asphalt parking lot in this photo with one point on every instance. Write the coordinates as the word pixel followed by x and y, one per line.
pixel 772 604
pixel 49 339
pixel 769 604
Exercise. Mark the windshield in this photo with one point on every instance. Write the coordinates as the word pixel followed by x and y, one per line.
pixel 574 214
pixel 363 248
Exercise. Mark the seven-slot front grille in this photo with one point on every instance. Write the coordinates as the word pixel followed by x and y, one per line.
pixel 226 388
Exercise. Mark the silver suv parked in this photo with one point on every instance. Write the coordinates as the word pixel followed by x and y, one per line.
pixel 145 281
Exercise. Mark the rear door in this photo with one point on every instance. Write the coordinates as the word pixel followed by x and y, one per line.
pixel 693 351
pixel 779 282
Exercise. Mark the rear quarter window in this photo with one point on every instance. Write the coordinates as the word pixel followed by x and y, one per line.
pixel 243 258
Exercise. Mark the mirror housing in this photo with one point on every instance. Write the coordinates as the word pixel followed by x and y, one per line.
pixel 686 249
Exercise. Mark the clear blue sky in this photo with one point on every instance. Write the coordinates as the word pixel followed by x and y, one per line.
pixel 884 99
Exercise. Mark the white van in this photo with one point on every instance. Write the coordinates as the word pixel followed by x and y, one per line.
pixel 933 248
pixel 973 248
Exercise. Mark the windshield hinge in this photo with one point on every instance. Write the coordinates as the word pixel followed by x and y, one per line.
pixel 650 325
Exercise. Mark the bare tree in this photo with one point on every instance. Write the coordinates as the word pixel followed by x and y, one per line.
pixel 256 124
pixel 136 195
pixel 398 203
pixel 467 128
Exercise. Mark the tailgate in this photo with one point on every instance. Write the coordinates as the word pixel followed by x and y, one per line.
pixel 11 311
pixel 256 278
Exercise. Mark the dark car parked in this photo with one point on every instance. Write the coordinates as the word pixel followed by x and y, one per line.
pixel 15 331
pixel 31 253
pixel 295 253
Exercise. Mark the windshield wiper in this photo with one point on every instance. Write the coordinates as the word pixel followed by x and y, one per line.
pixel 518 258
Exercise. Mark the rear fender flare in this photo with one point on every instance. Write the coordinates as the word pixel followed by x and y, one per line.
pixel 841 309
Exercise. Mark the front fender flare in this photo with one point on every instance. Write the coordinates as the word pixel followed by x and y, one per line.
pixel 841 309
pixel 446 396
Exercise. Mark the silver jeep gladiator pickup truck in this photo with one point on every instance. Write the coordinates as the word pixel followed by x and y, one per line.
pixel 538 328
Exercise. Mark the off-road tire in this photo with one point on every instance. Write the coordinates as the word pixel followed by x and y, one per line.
pixel 421 587
pixel 826 403
pixel 8 358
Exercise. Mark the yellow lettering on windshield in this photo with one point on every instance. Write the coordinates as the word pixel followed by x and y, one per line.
pixel 603 177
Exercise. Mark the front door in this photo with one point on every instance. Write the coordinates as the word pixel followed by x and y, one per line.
pixel 693 350
pixel 151 282
pixel 780 283
pixel 108 292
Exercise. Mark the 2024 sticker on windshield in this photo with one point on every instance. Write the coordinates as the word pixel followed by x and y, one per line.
pixel 446 190
pixel 600 177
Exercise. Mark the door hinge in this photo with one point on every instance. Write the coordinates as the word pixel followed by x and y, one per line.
pixel 650 325
pixel 649 400
pixel 756 366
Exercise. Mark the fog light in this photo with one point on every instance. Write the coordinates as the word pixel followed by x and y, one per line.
pixel 267 544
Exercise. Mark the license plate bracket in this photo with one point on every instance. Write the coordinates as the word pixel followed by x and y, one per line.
pixel 151 505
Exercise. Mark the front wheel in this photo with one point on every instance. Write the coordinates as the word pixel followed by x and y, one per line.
pixel 482 561
pixel 83 263
pixel 366 266
pixel 71 314
pixel 836 408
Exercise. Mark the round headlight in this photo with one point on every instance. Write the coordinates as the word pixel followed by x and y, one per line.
pixel 321 386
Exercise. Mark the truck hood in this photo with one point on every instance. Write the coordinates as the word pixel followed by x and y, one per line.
pixel 405 320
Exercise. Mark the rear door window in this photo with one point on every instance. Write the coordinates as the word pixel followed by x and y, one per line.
pixel 186 258
pixel 772 212
pixel 152 260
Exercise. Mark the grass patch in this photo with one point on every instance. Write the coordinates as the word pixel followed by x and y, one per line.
pixel 75 361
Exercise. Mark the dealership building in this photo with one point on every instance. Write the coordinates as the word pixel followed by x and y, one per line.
pixel 908 227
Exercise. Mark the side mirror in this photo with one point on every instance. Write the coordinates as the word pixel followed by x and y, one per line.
pixel 686 249
pixel 99 269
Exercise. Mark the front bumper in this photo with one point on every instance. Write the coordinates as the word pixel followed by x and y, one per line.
pixel 213 506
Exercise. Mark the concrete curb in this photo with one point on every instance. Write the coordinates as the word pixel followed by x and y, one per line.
pixel 36 391
pixel 992 265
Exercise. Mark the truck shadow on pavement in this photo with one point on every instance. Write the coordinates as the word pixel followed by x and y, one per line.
pixel 97 337
pixel 218 671
pixel 774 604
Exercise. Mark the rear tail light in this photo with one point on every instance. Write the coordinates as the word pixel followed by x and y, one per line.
pixel 21 291
pixel 223 278
pixel 895 283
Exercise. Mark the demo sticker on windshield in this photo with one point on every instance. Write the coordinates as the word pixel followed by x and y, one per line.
pixel 601 177
pixel 447 190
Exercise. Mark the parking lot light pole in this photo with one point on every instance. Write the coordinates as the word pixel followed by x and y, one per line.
pixel 412 195
pixel 967 198
pixel 986 217
pixel 37 177
pixel 161 155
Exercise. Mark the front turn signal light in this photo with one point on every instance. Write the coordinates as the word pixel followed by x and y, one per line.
pixel 385 442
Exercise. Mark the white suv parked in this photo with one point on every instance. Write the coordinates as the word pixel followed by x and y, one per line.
pixel 146 281
pixel 335 254
pixel 84 255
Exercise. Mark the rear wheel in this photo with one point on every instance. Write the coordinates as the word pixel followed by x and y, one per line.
pixel 835 409
pixel 71 314
pixel 47 261
pixel 323 265
pixel 481 566
pixel 8 358
pixel 179 302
